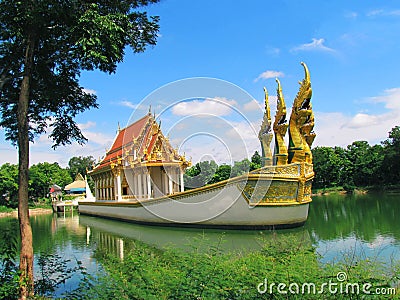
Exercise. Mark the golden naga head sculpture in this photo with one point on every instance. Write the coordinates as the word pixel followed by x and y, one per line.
pixel 280 123
pixel 265 135
pixel 301 124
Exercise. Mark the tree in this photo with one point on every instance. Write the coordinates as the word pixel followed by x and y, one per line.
pixel 255 161
pixel 44 45
pixel 223 172
pixel 200 174
pixel 391 160
pixel 365 161
pixel 43 175
pixel 9 185
pixel 240 167
pixel 80 165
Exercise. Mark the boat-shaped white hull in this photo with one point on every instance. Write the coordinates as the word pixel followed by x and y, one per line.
pixel 276 196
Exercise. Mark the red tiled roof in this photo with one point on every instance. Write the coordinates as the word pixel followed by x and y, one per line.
pixel 123 137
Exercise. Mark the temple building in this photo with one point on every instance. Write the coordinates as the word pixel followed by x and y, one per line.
pixel 141 164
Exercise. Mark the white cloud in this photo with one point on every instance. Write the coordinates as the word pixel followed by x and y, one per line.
pixel 128 104
pixel 269 74
pixel 336 128
pixel 391 99
pixel 351 15
pixel 41 149
pixel 381 12
pixel 363 120
pixel 252 105
pixel 88 124
pixel 217 106
pixel 375 12
pixel 89 91
pixel 98 138
pixel 395 12
pixel 273 51
pixel 315 45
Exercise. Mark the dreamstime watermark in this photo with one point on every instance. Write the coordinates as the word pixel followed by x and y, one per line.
pixel 339 286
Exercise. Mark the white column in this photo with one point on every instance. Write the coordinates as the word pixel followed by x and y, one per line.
pixel 96 190
pixel 135 185
pixel 148 186
pixel 140 185
pixel 165 185
pixel 119 190
pixel 170 188
pixel 182 183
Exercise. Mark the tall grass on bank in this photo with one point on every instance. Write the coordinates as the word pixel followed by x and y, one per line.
pixel 149 273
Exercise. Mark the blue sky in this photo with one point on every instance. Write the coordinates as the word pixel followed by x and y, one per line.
pixel 352 49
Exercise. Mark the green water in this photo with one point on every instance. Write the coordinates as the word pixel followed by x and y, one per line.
pixel 367 225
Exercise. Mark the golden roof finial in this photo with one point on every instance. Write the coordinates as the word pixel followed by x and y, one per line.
pixel 267 109
pixel 307 73
pixel 265 134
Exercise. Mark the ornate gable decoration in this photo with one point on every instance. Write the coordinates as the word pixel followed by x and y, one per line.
pixel 140 144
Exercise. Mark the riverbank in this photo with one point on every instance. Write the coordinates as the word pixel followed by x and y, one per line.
pixel 357 190
pixel 32 212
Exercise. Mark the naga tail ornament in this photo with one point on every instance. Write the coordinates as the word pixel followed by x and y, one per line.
pixel 265 135
pixel 280 128
pixel 301 123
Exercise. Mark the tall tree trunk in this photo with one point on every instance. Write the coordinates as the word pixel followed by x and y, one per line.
pixel 26 256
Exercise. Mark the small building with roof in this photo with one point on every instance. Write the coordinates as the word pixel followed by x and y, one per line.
pixel 141 164
pixel 78 187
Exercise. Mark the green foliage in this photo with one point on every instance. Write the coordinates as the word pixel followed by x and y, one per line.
pixel 43 175
pixel 149 273
pixel 359 165
pixel 9 272
pixel 207 172
pixel 68 37
pixel 255 161
pixel 5 209
pixel 80 165
pixel 200 174
pixel 391 160
pixel 54 271
pixel 223 172
pixel 9 185
pixel 240 167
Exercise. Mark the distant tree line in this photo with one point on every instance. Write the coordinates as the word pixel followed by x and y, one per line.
pixel 358 165
pixel 41 177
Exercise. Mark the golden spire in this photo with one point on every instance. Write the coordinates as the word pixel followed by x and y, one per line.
pixel 280 127
pixel 267 108
pixel 301 122
pixel 265 134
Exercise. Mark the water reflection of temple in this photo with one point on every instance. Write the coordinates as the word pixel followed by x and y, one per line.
pixel 115 237
pixel 106 243
pixel 69 221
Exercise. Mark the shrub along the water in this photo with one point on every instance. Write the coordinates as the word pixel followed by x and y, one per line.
pixel 284 268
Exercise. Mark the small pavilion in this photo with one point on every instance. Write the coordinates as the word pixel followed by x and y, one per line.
pixel 78 187
pixel 141 164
